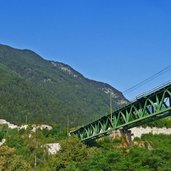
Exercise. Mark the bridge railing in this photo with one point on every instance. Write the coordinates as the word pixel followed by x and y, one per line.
pixel 168 83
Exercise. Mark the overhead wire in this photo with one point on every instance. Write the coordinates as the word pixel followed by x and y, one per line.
pixel 149 79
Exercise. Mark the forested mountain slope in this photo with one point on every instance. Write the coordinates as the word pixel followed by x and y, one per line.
pixel 48 91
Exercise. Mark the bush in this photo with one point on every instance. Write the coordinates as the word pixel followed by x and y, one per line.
pixel 72 152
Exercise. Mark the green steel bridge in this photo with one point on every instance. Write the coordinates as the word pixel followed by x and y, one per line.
pixel 145 108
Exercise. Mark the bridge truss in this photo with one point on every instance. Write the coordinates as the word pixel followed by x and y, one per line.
pixel 147 108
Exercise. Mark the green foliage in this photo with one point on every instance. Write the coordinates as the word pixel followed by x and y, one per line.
pixel 3 130
pixel 107 143
pixel 166 122
pixel 30 144
pixel 106 154
pixel 109 158
pixel 56 132
pixel 1 135
pixel 10 161
pixel 72 153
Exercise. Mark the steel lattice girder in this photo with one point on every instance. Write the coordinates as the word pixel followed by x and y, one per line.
pixel 150 107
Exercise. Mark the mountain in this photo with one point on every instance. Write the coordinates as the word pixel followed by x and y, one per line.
pixel 33 89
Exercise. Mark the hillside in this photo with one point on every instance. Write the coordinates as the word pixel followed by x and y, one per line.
pixel 36 90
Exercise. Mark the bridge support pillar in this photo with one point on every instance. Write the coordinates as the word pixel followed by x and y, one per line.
pixel 126 134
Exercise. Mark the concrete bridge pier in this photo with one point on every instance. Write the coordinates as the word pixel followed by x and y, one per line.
pixel 127 137
pixel 125 134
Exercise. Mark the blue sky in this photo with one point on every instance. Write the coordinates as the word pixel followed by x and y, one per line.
pixel 121 42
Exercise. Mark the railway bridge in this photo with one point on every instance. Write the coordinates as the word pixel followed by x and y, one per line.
pixel 146 108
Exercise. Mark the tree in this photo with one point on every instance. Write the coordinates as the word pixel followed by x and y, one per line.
pixel 10 161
